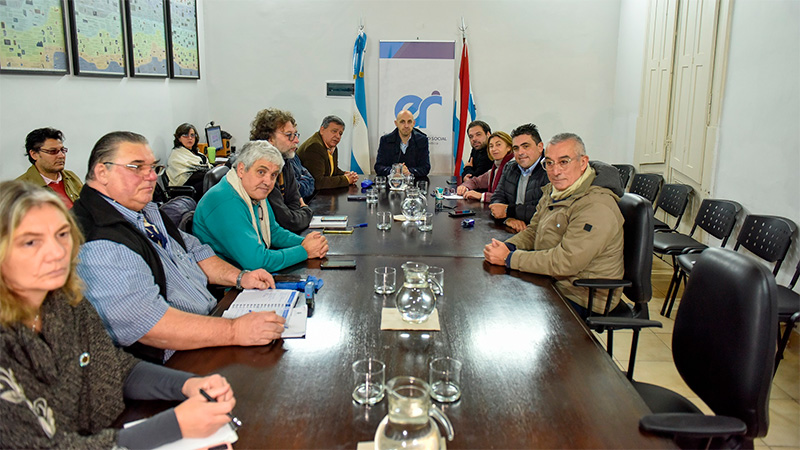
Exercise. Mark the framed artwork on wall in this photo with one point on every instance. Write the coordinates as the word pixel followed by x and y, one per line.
pixel 33 37
pixel 183 48
pixel 147 38
pixel 98 46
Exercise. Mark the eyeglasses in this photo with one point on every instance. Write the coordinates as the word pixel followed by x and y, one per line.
pixel 53 151
pixel 189 135
pixel 549 164
pixel 142 170
pixel 292 136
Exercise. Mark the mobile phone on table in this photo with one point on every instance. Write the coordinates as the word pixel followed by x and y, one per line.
pixel 461 213
pixel 356 198
pixel 338 264
pixel 347 230
pixel 333 218
pixel 286 277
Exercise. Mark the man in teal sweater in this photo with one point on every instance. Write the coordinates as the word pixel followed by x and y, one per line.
pixel 235 219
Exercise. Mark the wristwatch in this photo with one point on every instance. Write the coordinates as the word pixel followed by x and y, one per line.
pixel 239 279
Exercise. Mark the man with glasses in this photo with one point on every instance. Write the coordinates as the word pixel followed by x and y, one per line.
pixel 280 129
pixel 45 150
pixel 520 187
pixel 146 279
pixel 577 229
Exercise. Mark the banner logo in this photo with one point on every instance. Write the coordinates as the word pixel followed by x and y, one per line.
pixel 416 104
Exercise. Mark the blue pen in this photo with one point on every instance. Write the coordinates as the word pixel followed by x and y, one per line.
pixel 361 225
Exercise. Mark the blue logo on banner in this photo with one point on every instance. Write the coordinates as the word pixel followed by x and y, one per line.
pixel 416 104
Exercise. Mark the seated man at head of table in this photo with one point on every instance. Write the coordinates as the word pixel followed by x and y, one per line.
pixel 46 152
pixel 320 156
pixel 146 278
pixel 280 129
pixel 405 145
pixel 577 229
pixel 520 187
pixel 235 219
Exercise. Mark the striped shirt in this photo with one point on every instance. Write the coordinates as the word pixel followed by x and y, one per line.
pixel 122 288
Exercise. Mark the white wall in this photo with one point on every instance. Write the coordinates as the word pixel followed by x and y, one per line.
pixel 85 108
pixel 758 158
pixel 551 62
pixel 628 82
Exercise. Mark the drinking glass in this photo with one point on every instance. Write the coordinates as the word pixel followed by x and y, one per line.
pixel 445 379
pixel 369 378
pixel 385 219
pixel 372 196
pixel 385 280
pixel 426 222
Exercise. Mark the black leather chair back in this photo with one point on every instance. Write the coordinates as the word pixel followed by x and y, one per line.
pixel 638 229
pixel 723 341
pixel 768 237
pixel 647 185
pixel 213 176
pixel 717 218
pixel 626 171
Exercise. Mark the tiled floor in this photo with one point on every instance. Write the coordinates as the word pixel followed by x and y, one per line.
pixel 654 365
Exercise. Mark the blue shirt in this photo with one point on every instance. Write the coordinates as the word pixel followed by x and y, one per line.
pixel 123 290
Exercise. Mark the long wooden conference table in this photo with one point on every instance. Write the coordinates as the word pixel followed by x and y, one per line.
pixel 533 375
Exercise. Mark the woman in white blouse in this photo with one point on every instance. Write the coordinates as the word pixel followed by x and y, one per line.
pixel 186 166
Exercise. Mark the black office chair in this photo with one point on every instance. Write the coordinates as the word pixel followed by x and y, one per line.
pixel 673 200
pixel 213 176
pixel 636 282
pixel 723 345
pixel 163 192
pixel 788 313
pixel 647 185
pixel 768 237
pixel 626 171
pixel 715 217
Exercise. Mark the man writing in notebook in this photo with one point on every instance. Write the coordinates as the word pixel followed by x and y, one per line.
pixel 146 279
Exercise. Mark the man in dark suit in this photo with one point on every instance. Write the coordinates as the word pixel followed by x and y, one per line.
pixel 406 145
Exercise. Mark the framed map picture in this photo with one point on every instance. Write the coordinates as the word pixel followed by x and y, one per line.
pixel 184 54
pixel 33 37
pixel 98 46
pixel 147 38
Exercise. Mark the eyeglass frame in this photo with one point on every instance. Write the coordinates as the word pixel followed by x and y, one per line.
pixel 52 151
pixel 291 136
pixel 187 135
pixel 562 163
pixel 159 169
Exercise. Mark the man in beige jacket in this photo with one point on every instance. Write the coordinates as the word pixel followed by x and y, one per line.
pixel 576 231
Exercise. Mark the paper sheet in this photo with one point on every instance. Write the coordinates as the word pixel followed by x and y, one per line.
pixel 226 433
pixel 391 320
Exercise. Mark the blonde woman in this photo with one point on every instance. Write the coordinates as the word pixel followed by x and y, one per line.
pixel 62 380
pixel 481 187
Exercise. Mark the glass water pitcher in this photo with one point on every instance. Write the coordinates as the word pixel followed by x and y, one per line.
pixel 397 181
pixel 415 300
pixel 409 424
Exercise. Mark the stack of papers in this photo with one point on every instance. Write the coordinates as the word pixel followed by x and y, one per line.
pixel 286 303
pixel 328 222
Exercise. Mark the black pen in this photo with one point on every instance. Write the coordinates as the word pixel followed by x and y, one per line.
pixel 236 422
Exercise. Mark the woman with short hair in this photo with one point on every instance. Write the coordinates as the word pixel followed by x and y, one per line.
pixel 186 166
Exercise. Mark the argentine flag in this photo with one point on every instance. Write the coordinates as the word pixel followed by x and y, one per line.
pixel 359 154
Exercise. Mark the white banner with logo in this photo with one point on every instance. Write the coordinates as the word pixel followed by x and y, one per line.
pixel 419 76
